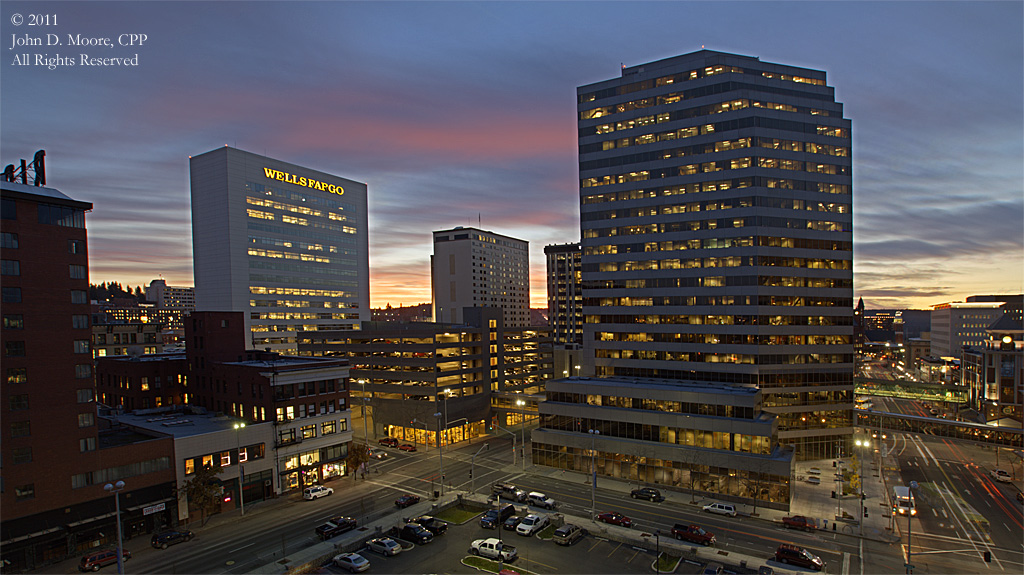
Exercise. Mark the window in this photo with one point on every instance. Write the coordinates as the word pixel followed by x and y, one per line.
pixel 14 349
pixel 20 429
pixel 86 419
pixel 24 492
pixel 10 267
pixel 81 480
pixel 76 246
pixel 12 295
pixel 87 444
pixel 243 454
pixel 77 271
pixel 286 436
pixel 344 424
pixel 61 216
pixel 190 466
pixel 79 296
pixel 84 395
pixel 21 455
pixel 19 401
pixel 78 321
pixel 225 458
pixel 328 428
pixel 14 321
pixel 308 431
pixel 83 370
pixel 207 461
pixel 8 209
pixel 8 240
pixel 17 375
pixel 81 346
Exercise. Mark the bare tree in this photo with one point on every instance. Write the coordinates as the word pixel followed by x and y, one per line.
pixel 202 490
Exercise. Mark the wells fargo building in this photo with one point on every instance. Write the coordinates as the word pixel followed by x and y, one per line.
pixel 285 244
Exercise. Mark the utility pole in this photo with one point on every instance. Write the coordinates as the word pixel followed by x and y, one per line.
pixel 593 466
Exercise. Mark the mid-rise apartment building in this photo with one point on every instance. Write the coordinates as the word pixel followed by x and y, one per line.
pixel 716 228
pixel 171 297
pixel 285 244
pixel 477 268
pixel 956 325
pixel 565 293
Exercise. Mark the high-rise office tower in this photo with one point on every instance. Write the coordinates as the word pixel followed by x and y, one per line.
pixel 477 268
pixel 716 233
pixel 565 293
pixel 285 244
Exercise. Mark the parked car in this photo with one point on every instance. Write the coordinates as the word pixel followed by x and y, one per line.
pixel 493 549
pixel 353 562
pixel 416 534
pixel 335 526
pixel 648 493
pixel 512 522
pixel 316 492
pixel 800 522
pixel 614 518
pixel 568 534
pixel 96 559
pixel 540 500
pixel 531 524
pixel 693 534
pixel 432 524
pixel 1001 475
pixel 793 555
pixel 493 517
pixel 508 491
pixel 162 540
pixel 388 441
pixel 721 508
pixel 713 568
pixel 407 447
pixel 406 500
pixel 384 545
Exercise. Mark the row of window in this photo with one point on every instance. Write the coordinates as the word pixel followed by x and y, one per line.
pixel 307 280
pixel 302 303
pixel 735 358
pixel 694 74
pixel 51 214
pixel 293 435
pixel 703 319
pixel 720 338
pixel 664 434
pixel 327 203
pixel 262 265
pixel 653 405
pixel 13 295
pixel 722 262
pixel 718 185
pixel 776 202
pixel 301 246
pixel 721 281
pixel 720 243
pixel 707 300
pixel 718 223
pixel 224 458
pixel 121 472
pixel 255 225
pixel 831 376
pixel 297 209
pixel 305 292
pixel 717 166
pixel 287 219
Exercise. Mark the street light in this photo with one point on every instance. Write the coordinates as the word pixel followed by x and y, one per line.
pixel 241 468
pixel 440 440
pixel 116 488
pixel 366 435
pixel 522 446
pixel 593 466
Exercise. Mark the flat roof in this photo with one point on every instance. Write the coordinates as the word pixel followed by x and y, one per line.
pixel 178 423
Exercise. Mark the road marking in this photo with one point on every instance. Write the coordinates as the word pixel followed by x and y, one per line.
pixel 846 563
pixel 614 549
pixel 242 547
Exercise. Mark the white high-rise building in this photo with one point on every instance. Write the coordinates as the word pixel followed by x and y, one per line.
pixel 477 268
pixel 283 243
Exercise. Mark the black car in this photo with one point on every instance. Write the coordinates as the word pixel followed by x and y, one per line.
pixel 416 534
pixel 406 500
pixel 432 524
pixel 493 517
pixel 335 526
pixel 648 493
pixel 512 522
pixel 162 540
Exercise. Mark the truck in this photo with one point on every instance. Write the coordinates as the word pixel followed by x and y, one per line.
pixel 493 548
pixel 335 526
pixel 693 534
pixel 903 500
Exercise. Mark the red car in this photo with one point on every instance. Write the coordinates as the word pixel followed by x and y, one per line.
pixel 388 441
pixel 407 447
pixel 693 534
pixel 406 500
pixel 615 519
pixel 800 522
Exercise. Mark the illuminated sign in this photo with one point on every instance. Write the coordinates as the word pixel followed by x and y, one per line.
pixel 305 182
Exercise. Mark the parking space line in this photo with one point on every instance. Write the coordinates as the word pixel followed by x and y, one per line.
pixel 616 548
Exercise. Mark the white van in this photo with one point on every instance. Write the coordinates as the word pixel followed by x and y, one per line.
pixel 540 500
pixel 903 500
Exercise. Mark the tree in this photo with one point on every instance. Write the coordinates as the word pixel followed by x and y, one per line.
pixel 695 459
pixel 202 490
pixel 358 456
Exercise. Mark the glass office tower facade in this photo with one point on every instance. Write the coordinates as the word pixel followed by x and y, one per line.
pixel 715 194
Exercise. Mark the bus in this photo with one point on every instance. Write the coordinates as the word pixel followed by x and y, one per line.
pixel 903 501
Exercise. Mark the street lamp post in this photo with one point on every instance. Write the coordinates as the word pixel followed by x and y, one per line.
pixel 366 435
pixel 116 488
pixel 522 445
pixel 241 469
pixel 593 468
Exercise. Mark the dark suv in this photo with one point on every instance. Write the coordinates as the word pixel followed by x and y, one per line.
pixel 416 534
pixel 93 561
pixel 432 524
pixel 648 493
pixel 162 540
pixel 793 555
pixel 493 517
pixel 693 534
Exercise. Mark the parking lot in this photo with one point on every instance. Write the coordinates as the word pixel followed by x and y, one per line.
pixel 588 555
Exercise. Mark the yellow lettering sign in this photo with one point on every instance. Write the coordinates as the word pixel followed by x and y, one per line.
pixel 287 178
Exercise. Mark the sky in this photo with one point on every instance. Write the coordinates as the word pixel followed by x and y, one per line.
pixel 463 113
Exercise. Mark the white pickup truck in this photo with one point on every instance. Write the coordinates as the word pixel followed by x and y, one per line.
pixel 493 549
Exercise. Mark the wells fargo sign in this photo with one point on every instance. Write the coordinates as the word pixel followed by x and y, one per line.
pixel 305 182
